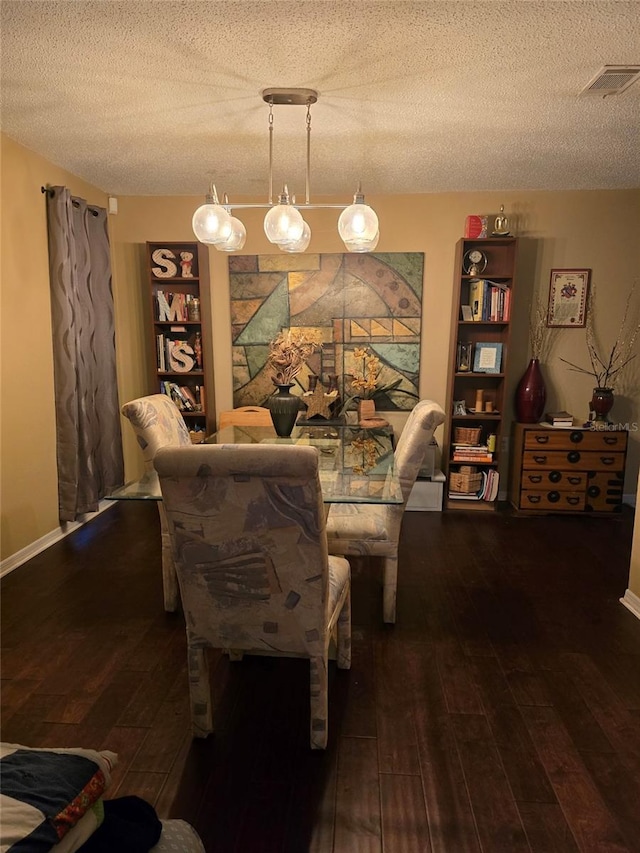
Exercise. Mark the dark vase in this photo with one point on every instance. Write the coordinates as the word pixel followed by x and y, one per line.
pixel 602 403
pixel 531 394
pixel 284 407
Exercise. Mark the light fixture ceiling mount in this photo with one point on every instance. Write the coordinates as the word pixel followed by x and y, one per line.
pixel 296 97
pixel 283 224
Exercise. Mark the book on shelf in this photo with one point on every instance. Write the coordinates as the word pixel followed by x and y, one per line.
pixel 160 353
pixel 476 297
pixel 461 456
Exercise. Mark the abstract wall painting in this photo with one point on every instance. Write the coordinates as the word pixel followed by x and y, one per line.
pixel 351 301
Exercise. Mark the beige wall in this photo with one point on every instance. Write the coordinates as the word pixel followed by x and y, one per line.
pixel 595 229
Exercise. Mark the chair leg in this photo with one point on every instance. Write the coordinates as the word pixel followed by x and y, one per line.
pixel 319 692
pixel 169 579
pixel 199 693
pixel 390 568
pixel 343 659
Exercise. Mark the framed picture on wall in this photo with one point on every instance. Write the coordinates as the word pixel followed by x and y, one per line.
pixel 568 290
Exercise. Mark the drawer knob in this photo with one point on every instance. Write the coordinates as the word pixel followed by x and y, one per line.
pixel 555 476
pixel 593 491
pixel 576 437
pixel 553 497
pixel 573 456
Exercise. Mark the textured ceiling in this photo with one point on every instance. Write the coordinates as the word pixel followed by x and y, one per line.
pixel 160 98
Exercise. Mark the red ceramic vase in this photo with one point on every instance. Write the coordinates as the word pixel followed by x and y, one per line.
pixel 531 394
pixel 602 403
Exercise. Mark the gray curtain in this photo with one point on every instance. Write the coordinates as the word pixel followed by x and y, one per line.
pixel 88 436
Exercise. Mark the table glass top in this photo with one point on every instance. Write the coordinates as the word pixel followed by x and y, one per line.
pixel 355 465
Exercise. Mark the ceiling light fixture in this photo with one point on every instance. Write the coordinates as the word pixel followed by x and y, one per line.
pixel 213 222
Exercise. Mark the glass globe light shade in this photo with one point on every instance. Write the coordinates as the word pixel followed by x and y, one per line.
pixel 299 245
pixel 211 223
pixel 236 238
pixel 362 245
pixel 358 221
pixel 283 223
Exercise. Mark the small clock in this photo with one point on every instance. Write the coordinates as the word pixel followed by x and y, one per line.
pixel 474 262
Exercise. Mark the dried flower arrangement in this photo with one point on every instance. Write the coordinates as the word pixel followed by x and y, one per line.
pixel 288 353
pixel 606 370
pixel 365 381
pixel 539 332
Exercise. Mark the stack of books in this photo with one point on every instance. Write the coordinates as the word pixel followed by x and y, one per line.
pixel 559 419
pixel 476 453
pixel 182 396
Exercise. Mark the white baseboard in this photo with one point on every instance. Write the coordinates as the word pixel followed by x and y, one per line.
pixel 632 602
pixel 31 550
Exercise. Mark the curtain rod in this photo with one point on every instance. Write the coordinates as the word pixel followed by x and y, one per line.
pixel 51 193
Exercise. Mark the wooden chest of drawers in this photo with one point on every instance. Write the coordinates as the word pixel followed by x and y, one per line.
pixel 563 470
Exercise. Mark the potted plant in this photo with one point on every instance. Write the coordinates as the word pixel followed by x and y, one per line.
pixel 365 387
pixel 288 353
pixel 607 367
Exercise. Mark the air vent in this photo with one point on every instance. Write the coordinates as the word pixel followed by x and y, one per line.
pixel 612 80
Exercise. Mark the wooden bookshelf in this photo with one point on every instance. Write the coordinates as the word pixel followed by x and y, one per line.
pixel 479 355
pixel 180 347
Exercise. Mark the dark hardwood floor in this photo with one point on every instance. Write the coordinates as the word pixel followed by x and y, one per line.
pixel 500 713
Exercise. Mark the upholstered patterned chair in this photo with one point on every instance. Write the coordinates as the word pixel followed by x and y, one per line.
pixel 371 530
pixel 158 423
pixel 248 536
pixel 245 416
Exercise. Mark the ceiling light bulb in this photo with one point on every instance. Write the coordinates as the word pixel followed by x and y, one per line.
pixel 362 245
pixel 211 223
pixel 358 222
pixel 299 245
pixel 236 238
pixel 283 223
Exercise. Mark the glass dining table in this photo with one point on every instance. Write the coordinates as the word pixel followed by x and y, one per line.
pixel 355 465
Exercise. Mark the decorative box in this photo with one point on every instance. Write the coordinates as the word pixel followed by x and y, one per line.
pixel 475 226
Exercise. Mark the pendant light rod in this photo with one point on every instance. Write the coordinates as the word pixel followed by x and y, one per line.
pixel 270 152
pixel 307 175
pixel 283 224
